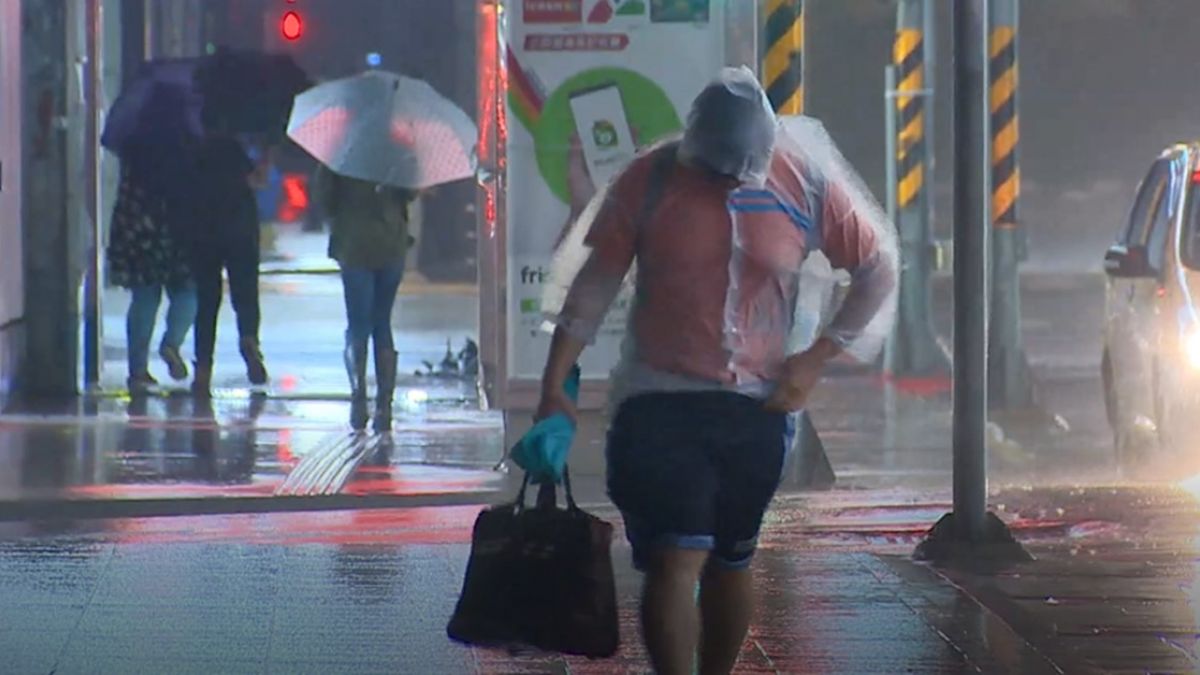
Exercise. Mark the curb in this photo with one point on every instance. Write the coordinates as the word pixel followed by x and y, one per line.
pixel 406 288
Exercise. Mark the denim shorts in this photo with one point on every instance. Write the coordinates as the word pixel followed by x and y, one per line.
pixel 695 470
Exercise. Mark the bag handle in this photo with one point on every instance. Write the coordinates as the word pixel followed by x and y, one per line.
pixel 547 493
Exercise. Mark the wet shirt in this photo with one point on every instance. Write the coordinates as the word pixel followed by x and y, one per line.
pixel 717 273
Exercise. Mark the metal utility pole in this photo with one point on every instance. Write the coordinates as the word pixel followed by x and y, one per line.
pixel 914 350
pixel 970 273
pixel 1010 387
pixel 783 59
pixel 970 532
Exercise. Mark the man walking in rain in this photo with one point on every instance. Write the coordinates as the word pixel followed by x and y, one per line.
pixel 719 224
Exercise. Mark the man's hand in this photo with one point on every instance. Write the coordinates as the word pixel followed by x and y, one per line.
pixel 800 374
pixel 560 365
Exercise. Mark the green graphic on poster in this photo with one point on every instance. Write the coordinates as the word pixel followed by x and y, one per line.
pixel 650 113
pixel 679 11
pixel 632 8
pixel 604 134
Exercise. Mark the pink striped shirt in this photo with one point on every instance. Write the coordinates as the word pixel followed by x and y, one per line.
pixel 688 319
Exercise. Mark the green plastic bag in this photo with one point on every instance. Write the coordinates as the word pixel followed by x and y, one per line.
pixel 542 451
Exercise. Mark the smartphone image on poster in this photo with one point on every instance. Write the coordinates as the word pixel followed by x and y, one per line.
pixel 603 131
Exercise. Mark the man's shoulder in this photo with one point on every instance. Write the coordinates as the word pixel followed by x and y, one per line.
pixel 641 165
pixel 630 183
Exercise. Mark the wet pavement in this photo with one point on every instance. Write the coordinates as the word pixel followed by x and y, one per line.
pixel 1112 589
pixel 371 591
pixel 347 587
pixel 182 454
pixel 114 456
pixel 1116 588
pixel 167 454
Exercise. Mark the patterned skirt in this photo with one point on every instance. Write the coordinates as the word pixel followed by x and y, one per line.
pixel 142 249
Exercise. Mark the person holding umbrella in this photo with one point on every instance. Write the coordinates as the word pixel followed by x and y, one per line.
pixel 224 237
pixel 145 251
pixel 176 127
pixel 369 239
pixel 381 138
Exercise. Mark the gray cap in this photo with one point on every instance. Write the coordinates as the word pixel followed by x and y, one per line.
pixel 731 128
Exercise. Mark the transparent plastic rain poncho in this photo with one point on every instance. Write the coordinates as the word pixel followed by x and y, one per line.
pixel 797 198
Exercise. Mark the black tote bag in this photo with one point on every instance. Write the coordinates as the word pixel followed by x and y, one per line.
pixel 541 577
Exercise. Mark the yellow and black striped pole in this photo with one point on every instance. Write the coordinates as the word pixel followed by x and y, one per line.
pixel 908 58
pixel 1005 132
pixel 1009 384
pixel 783 56
pixel 914 351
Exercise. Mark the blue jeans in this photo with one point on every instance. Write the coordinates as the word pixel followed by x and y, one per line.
pixel 143 310
pixel 370 295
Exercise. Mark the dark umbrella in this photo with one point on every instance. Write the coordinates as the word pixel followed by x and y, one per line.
pixel 171 102
pixel 249 92
pixel 159 109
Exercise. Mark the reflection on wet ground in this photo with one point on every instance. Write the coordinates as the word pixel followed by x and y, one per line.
pixel 240 447
pixel 1113 589
pixel 297 448
pixel 245 446
pixel 371 591
pixel 359 590
pixel 362 590
pixel 1115 583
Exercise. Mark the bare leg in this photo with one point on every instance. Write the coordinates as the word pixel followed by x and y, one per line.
pixel 726 606
pixel 670 617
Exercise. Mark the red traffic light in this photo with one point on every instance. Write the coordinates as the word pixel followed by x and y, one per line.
pixel 291 26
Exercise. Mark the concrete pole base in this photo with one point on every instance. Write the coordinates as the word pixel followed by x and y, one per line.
pixel 944 545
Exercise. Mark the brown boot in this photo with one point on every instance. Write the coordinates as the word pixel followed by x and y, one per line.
pixel 356 371
pixel 256 368
pixel 385 386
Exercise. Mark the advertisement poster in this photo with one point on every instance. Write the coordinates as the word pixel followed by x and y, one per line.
pixel 589 82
